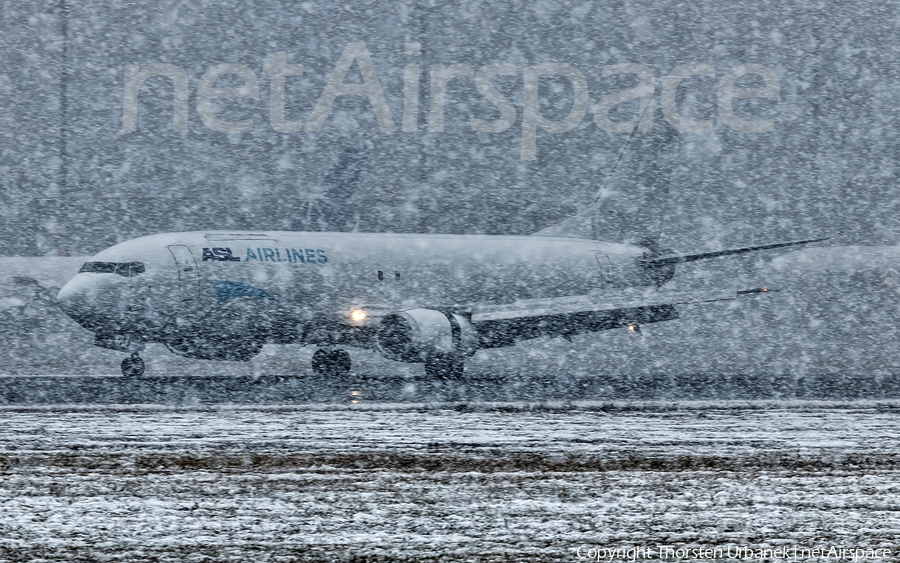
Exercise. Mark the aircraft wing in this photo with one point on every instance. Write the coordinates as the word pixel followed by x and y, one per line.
pixel 503 325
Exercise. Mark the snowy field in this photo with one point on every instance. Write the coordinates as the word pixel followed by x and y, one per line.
pixel 475 482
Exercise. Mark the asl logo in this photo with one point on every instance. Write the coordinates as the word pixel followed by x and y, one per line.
pixel 219 254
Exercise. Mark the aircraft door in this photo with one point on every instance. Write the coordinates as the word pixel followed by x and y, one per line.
pixel 188 272
pixel 606 267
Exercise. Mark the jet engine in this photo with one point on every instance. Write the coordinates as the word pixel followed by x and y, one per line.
pixel 418 335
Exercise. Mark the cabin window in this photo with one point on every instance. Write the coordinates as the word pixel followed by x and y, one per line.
pixel 380 275
pixel 397 276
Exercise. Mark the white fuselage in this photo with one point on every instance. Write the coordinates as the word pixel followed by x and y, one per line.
pixel 213 279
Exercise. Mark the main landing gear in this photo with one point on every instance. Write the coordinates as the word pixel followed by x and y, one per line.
pixel 331 363
pixel 133 366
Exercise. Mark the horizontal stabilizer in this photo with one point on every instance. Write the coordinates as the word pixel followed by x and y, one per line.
pixel 678 259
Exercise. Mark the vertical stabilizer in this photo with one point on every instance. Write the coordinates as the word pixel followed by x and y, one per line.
pixel 629 206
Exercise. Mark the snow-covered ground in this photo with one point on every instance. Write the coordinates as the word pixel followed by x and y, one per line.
pixel 440 483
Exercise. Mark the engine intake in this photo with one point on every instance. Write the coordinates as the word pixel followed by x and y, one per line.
pixel 416 335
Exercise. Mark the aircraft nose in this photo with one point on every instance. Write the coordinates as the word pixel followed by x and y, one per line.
pixel 75 300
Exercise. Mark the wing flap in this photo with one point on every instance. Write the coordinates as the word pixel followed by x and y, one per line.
pixel 618 301
pixel 504 325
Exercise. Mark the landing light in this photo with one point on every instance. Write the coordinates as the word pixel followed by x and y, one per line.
pixel 357 315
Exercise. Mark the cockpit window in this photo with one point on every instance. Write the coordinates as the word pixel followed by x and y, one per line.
pixel 99 267
pixel 126 269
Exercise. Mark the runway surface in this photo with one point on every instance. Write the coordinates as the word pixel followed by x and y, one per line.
pixel 443 482
pixel 385 387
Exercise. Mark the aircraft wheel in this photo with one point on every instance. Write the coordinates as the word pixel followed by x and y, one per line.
pixel 331 363
pixel 445 367
pixel 133 366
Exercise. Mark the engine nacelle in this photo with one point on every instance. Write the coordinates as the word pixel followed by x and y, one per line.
pixel 415 335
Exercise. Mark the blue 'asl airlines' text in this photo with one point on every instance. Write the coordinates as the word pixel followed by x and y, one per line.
pixel 302 255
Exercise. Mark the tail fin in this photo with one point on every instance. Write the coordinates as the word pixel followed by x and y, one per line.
pixel 628 207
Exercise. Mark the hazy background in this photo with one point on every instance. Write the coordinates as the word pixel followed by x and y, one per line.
pixel 828 166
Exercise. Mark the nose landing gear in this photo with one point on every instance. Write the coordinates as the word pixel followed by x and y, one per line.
pixel 133 366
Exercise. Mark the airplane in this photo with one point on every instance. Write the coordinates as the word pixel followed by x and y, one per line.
pixel 431 299
pixel 415 298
